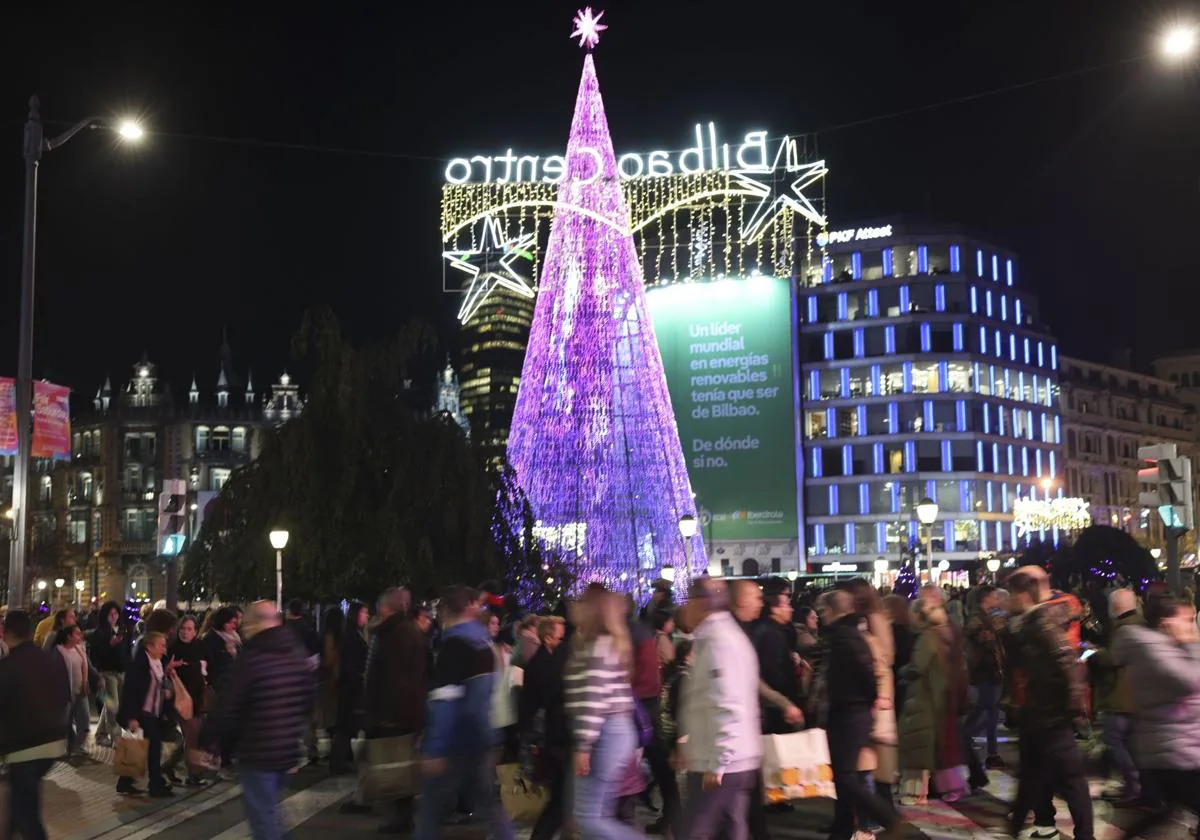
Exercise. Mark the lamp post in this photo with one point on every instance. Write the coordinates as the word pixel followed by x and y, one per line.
pixel 41 588
pixel 687 528
pixel 59 583
pixel 78 593
pixel 927 511
pixel 1179 42
pixel 35 146
pixel 881 567
pixel 279 541
pixel 993 566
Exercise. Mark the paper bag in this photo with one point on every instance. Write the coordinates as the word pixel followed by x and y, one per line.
pixel 183 700
pixel 131 756
pixel 522 799
pixel 796 766
pixel 389 769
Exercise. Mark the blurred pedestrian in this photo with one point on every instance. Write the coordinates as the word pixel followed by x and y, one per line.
pixel 265 704
pixel 34 691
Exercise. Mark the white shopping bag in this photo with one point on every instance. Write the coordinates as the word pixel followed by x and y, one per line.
pixel 796 766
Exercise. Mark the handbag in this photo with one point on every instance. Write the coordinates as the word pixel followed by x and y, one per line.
pixel 644 725
pixel 522 799
pixel 390 769
pixel 183 699
pixel 131 756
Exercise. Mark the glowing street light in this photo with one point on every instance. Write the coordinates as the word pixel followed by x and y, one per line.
pixel 131 130
pixel 1179 42
pixel 927 511
pixel 35 146
pixel 687 529
pixel 279 541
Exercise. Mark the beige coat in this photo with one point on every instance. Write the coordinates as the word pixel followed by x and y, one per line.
pixel 881 757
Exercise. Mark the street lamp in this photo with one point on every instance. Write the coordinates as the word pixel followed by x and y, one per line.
pixel 668 574
pixel 927 511
pixel 35 146
pixel 1179 42
pixel 78 592
pixel 279 541
pixel 881 567
pixel 687 528
pixel 59 583
pixel 993 565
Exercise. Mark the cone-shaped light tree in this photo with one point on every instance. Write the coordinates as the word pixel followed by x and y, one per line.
pixel 594 441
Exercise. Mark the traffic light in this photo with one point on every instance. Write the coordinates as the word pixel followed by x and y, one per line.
pixel 172 518
pixel 1171 477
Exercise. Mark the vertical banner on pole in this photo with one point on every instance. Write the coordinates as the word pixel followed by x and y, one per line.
pixel 8 416
pixel 51 421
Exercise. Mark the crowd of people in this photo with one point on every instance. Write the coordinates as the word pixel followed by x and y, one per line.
pixel 606 703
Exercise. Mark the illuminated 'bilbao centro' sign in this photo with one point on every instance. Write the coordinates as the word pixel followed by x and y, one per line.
pixel 753 154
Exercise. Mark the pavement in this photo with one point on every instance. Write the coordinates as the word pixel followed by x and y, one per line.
pixel 80 803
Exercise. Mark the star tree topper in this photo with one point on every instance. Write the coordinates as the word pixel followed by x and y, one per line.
pixel 588 27
pixel 491 265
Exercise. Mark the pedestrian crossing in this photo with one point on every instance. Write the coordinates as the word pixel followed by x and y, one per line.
pixel 81 805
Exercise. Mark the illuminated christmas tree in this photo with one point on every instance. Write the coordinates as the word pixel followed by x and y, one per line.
pixel 594 441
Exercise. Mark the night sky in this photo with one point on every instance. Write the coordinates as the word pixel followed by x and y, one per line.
pixel 297 155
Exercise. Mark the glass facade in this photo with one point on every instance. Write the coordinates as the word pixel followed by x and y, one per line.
pixel 925 373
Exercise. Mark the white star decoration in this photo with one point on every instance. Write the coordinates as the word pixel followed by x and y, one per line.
pixel 588 27
pixel 775 195
pixel 491 265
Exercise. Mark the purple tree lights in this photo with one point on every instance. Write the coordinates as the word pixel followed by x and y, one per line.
pixel 594 442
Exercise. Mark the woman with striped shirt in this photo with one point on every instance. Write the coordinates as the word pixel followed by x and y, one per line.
pixel 599 705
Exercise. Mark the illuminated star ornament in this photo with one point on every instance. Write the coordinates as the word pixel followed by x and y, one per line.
pixel 774 194
pixel 491 265
pixel 588 28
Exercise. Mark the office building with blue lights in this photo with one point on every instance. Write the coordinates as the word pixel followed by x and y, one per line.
pixel 925 373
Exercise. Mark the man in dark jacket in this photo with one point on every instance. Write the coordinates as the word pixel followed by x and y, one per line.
pixel 265 702
pixel 849 672
pixel 299 624
pixel 543 693
pixel 1055 699
pixel 34 694
pixel 985 670
pixel 395 687
pixel 776 667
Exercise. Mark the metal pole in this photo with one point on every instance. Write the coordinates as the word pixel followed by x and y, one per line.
pixel 1174 576
pixel 279 580
pixel 34 145
pixel 929 551
pixel 687 560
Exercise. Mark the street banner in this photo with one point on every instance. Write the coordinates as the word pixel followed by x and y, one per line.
pixel 8 416
pixel 51 421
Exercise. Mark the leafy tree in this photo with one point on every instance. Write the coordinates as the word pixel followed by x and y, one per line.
pixel 373 490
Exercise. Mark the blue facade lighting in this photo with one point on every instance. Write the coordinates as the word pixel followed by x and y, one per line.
pixel 979 456
pixel 816 462
pixel 864 498
pixel 1037 460
pixel 974 300
pixel 910 456
pixel 843 306
pixel 814 385
pixel 827 340
pixel 1003 307
pixel 1027 353
pixel 987 303
pixel 926 337
pixel 939 297
pixel 889 340
pixel 812 309
pixel 856 265
pixel 905 301
pixel 927 414
pixel 827 270
pixel 1053 357
pixel 947 460
pixel 1008 271
pixel 955 259
pixel 1025 461
pixel 833 500
pixel 960 415
pixel 999 345
pixel 873 303
pixel 880 537
pixel 1041 360
pixel 957 330
pixel 996 268
pixel 1012 346
pixel 860 345
pixel 1017 311
pixel 847 459
pixel 1057 439
pixel 888 262
pixel 877 458
pixel 922 259
pixel 979 262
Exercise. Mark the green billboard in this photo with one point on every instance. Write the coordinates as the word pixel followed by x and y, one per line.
pixel 727 351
